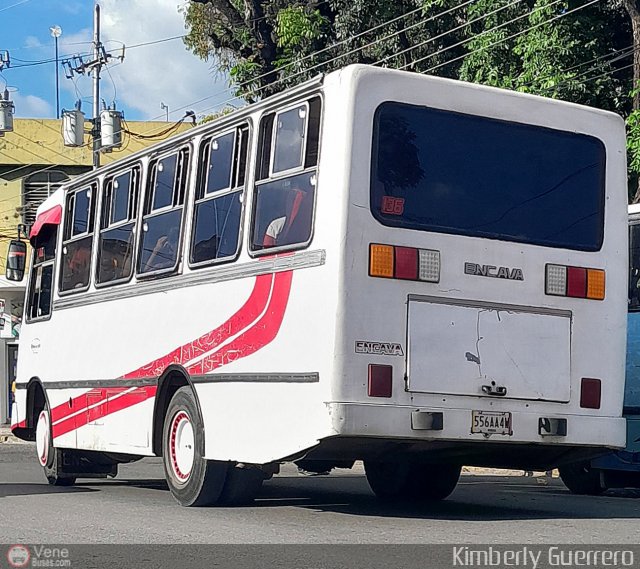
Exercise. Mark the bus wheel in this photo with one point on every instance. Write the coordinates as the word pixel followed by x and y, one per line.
pixel 193 481
pixel 580 478
pixel 411 480
pixel 50 458
pixel 241 486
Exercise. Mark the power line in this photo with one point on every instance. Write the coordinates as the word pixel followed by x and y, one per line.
pixel 258 89
pixel 589 79
pixel 315 54
pixel 482 48
pixel 321 64
pixel 464 25
pixel 14 5
pixel 484 32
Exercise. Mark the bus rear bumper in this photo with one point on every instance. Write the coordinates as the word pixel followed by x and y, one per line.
pixel 454 425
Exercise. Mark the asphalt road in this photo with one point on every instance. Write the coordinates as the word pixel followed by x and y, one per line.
pixel 137 507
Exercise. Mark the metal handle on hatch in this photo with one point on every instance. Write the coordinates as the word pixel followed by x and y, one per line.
pixel 494 390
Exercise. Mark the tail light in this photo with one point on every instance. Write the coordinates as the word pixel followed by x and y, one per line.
pixel 590 393
pixel 380 380
pixel 575 282
pixel 405 263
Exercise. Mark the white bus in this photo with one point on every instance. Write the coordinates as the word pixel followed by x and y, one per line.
pixel 374 265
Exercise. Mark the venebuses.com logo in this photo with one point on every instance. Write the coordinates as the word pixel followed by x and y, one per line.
pixel 22 556
pixel 18 556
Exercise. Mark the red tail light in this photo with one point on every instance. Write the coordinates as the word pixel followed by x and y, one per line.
pixel 590 393
pixel 380 380
pixel 406 263
pixel 576 282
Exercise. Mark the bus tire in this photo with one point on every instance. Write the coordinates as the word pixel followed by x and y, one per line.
pixel 241 486
pixel 399 481
pixel 50 458
pixel 193 480
pixel 580 478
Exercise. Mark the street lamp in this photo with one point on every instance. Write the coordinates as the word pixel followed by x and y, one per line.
pixel 165 108
pixel 56 32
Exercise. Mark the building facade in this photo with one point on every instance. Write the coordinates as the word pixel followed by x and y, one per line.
pixel 34 163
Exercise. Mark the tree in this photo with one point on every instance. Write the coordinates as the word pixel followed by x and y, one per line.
pixel 557 48
pixel 251 39
pixel 267 45
pixel 568 58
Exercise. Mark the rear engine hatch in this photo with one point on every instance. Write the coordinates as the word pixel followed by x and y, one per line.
pixel 462 348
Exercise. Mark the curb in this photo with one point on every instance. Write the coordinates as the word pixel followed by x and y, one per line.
pixel 9 438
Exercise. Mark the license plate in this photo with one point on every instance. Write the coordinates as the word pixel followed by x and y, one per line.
pixel 491 423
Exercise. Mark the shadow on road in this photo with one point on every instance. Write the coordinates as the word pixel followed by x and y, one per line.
pixel 475 499
pixel 146 484
pixel 12 489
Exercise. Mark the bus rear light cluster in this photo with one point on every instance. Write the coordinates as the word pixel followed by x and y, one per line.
pixel 406 263
pixel 575 282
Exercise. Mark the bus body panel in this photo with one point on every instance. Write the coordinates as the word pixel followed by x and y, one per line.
pixel 377 308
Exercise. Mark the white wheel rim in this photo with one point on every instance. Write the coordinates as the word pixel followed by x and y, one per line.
pixel 43 435
pixel 181 446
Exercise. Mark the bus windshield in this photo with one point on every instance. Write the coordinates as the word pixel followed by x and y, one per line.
pixel 454 173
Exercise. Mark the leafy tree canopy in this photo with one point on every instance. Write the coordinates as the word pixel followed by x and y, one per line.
pixel 566 49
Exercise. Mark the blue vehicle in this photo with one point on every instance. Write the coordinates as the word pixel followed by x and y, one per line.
pixel 620 469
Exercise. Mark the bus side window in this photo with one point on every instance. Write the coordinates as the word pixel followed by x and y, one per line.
pixel 41 282
pixel 162 220
pixel 78 240
pixel 634 267
pixel 286 177
pixel 117 227
pixel 218 208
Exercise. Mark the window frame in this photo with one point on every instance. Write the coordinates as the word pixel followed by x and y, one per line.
pixel 133 210
pixel 93 185
pixel 460 232
pixel 303 153
pixel 29 289
pixel 91 219
pixel 153 178
pixel 202 184
pixel 147 202
pixel 240 189
pixel 312 170
pixel 257 180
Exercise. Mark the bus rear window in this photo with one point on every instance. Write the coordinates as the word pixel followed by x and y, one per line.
pixel 448 172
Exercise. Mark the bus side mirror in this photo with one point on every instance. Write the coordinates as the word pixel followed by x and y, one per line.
pixel 16 258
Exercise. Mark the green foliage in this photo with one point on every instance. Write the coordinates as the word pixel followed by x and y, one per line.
pixel 296 27
pixel 541 47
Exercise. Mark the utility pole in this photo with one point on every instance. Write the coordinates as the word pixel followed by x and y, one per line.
pixel 56 32
pixel 77 65
pixel 97 65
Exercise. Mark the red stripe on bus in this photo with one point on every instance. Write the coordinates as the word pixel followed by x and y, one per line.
pixel 256 337
pixel 104 408
pixel 71 406
pixel 20 425
pixel 241 319
pixel 270 301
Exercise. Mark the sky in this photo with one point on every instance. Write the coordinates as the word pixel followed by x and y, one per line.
pixel 165 72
